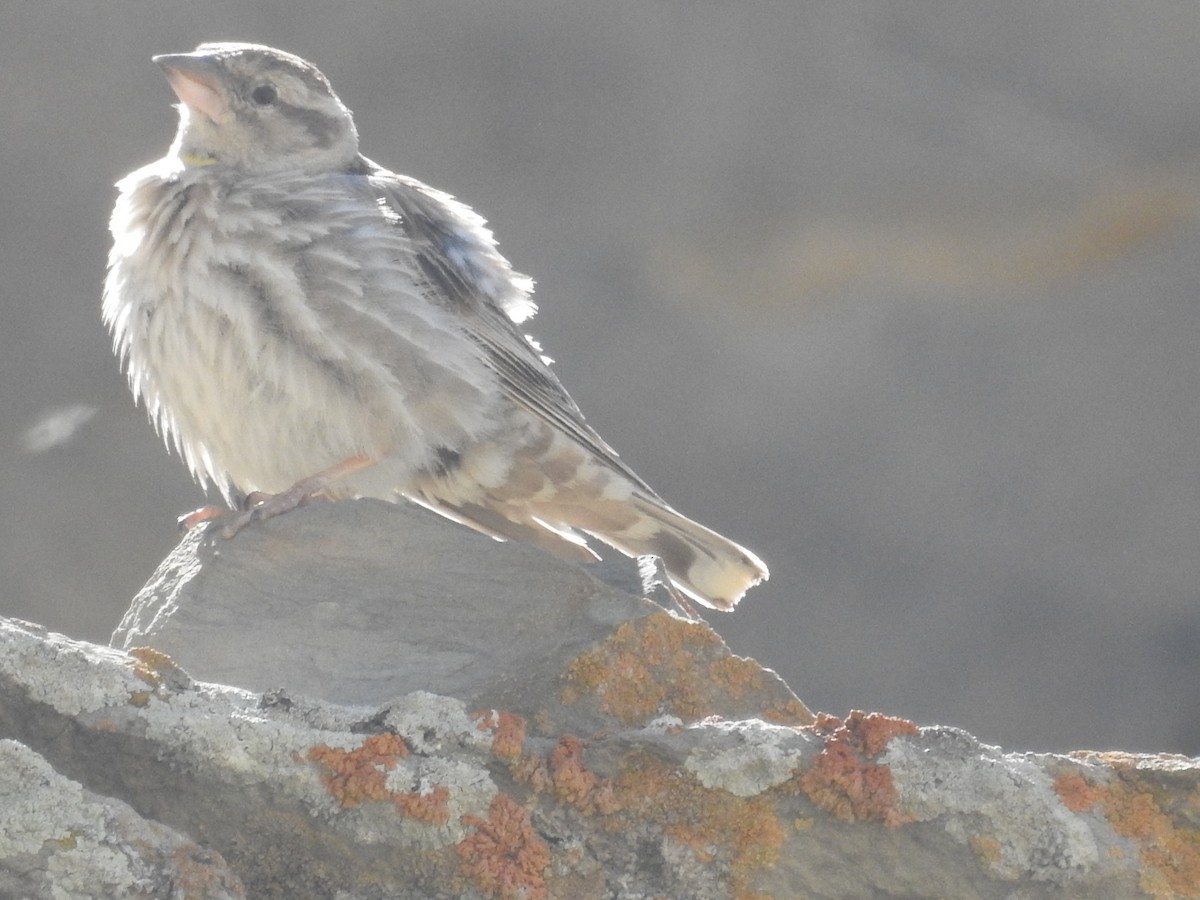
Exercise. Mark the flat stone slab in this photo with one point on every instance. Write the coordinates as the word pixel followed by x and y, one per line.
pixel 361 601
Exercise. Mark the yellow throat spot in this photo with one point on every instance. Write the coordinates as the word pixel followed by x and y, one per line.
pixel 195 159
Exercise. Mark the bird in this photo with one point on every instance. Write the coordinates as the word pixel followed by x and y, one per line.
pixel 301 322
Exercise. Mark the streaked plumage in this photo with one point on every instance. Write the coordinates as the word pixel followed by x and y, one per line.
pixel 282 304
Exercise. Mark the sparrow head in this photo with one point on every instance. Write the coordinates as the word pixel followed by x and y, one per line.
pixel 257 109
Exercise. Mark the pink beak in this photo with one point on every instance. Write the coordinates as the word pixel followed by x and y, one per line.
pixel 193 79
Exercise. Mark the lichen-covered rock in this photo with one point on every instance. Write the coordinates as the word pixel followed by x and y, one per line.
pixel 427 797
pixel 610 751
pixel 60 840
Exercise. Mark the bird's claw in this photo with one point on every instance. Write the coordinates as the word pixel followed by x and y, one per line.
pixel 205 516
pixel 653 572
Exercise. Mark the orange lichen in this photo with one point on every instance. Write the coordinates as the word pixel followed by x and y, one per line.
pixel 433 807
pixel 151 666
pixel 792 712
pixel 532 770
pixel 742 835
pixel 646 667
pixel 359 776
pixel 1077 793
pixel 746 832
pixel 989 850
pixel 876 729
pixel 505 858
pixel 573 782
pixel 844 780
pixel 660 664
pixel 154 659
pixel 1170 850
pixel 508 731
pixel 564 775
pixel 1157 819
pixel 737 674
pixel 543 722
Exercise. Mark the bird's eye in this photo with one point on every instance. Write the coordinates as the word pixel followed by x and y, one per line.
pixel 264 95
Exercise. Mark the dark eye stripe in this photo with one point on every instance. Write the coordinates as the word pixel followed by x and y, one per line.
pixel 325 129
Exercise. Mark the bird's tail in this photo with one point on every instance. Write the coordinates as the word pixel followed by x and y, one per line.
pixel 709 568
pixel 554 495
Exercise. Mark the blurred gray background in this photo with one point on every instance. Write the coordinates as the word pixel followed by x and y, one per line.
pixel 903 296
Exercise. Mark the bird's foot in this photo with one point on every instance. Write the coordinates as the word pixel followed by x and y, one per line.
pixel 258 506
pixel 210 517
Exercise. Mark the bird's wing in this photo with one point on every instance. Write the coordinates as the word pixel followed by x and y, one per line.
pixel 464 272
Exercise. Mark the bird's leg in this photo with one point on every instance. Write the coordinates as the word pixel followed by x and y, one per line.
pixel 258 506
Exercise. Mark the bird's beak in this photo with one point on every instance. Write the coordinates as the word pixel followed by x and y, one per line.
pixel 195 80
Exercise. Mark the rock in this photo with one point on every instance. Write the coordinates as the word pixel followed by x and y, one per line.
pixel 362 601
pixel 59 840
pixel 580 744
